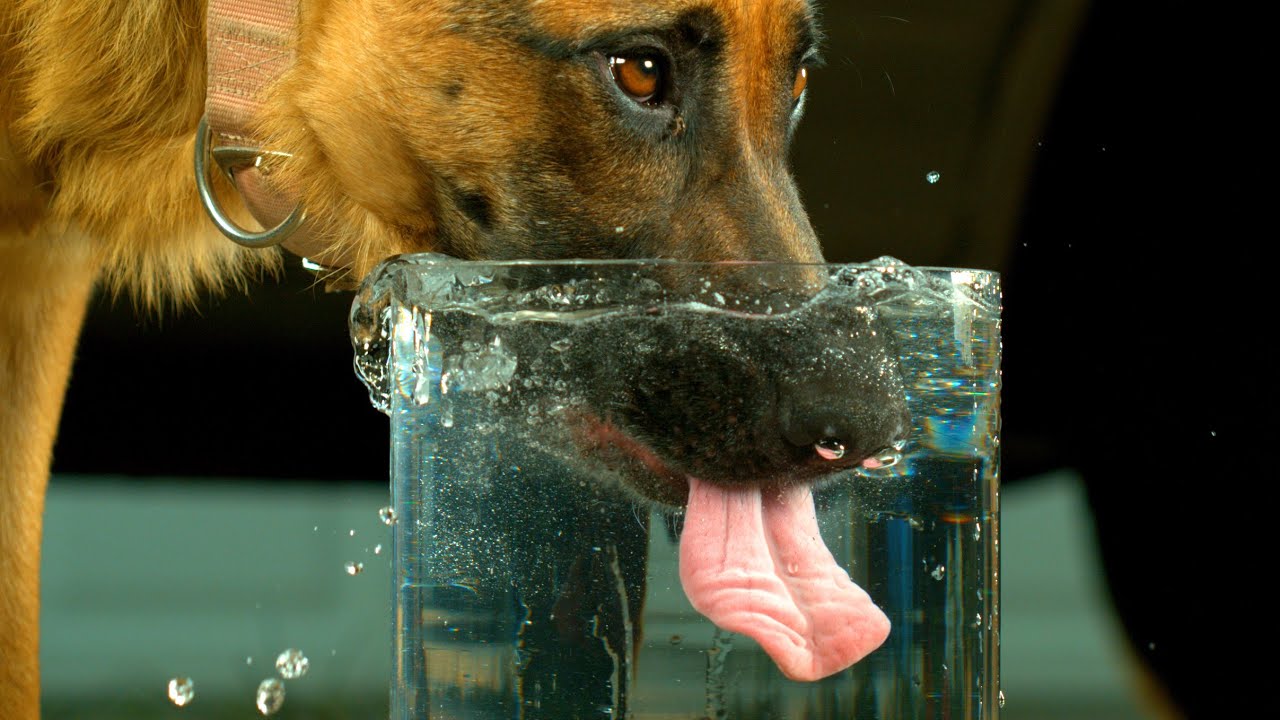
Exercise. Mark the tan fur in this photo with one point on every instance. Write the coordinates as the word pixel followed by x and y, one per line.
pixel 413 126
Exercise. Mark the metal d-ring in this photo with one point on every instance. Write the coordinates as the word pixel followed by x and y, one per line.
pixel 229 159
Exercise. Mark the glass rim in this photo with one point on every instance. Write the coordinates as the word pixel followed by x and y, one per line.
pixel 435 259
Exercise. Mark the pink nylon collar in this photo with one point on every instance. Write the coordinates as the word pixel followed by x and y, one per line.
pixel 250 46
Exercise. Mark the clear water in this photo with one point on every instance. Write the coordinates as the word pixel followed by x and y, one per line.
pixel 532 583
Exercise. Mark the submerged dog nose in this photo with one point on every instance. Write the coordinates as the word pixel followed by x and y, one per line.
pixel 838 429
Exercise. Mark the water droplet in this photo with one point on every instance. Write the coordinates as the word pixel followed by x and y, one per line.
pixel 270 696
pixel 377 549
pixel 292 664
pixel 977 531
pixel 181 691
pixel 387 515
pixel 351 533
pixel 793 568
pixel 1001 700
pixel 977 620
pixel 939 572
pixel 933 177
pixel 829 449
pixel 248 660
pixel 719 298
pixel 355 568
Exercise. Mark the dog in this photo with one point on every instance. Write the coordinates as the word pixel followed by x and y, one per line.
pixel 487 129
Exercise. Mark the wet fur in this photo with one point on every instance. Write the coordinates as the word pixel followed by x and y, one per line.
pixel 480 128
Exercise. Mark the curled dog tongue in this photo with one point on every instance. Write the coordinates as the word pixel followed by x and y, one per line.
pixel 754 563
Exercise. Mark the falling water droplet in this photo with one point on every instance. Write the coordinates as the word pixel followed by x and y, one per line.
pixel 939 572
pixel 270 696
pixel 829 449
pixel 1001 700
pixel 181 691
pixel 355 568
pixel 387 515
pixel 933 177
pixel 377 549
pixel 292 664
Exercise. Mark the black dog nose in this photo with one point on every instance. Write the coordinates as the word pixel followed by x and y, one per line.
pixel 831 428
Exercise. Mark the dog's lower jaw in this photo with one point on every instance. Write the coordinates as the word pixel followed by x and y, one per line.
pixel 44 290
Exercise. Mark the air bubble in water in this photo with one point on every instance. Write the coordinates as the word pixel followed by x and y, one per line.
pixel 292 664
pixel 355 568
pixel 889 457
pixel 181 691
pixel 387 515
pixel 830 449
pixel 939 572
pixel 270 696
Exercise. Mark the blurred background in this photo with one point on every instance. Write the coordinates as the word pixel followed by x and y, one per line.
pixel 218 468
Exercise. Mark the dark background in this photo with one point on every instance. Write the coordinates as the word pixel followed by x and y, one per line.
pixel 1098 154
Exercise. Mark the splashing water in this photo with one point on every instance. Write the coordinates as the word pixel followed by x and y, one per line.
pixel 387 515
pixel 181 691
pixel 292 664
pixel 270 696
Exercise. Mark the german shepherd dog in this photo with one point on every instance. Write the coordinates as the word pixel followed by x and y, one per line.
pixel 483 129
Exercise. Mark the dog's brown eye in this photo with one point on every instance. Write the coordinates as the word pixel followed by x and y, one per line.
pixel 802 82
pixel 640 76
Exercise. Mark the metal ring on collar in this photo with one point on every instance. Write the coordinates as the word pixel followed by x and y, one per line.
pixel 229 158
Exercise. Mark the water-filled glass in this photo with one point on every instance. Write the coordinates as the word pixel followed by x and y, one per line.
pixel 651 489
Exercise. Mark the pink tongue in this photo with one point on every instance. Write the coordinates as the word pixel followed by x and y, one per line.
pixel 755 564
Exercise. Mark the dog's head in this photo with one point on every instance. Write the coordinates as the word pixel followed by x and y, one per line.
pixel 499 129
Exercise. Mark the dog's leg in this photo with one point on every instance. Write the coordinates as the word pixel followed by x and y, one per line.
pixel 44 288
